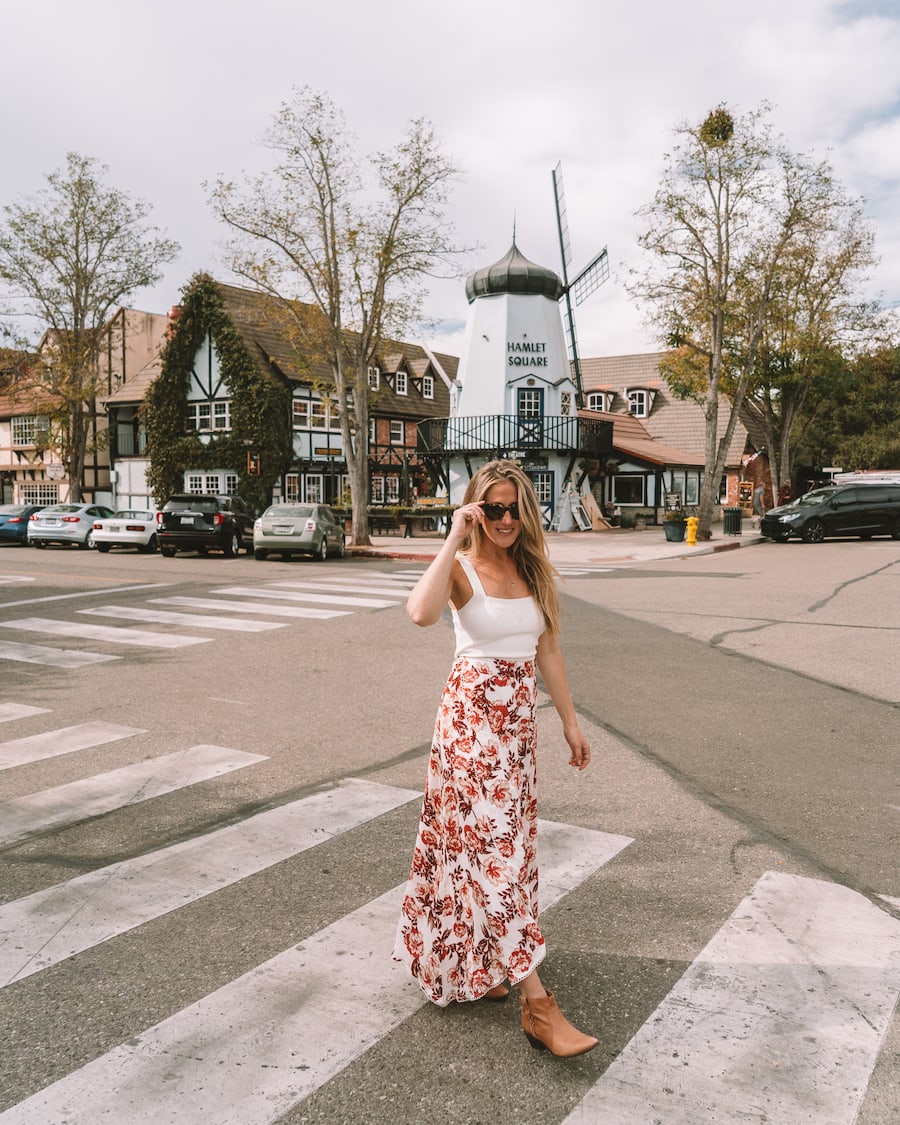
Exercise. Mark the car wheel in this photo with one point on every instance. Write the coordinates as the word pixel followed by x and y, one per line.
pixel 39 543
pixel 286 555
pixel 260 553
pixel 88 543
pixel 233 546
pixel 813 532
pixel 152 545
pixel 341 549
pixel 167 552
pixel 103 548
pixel 895 531
pixel 322 554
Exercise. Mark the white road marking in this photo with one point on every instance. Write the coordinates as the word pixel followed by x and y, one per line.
pixel 51 925
pixel 250 1051
pixel 160 616
pixel 325 599
pixel 91 796
pixel 66 740
pixel 53 657
pixel 254 607
pixel 11 579
pixel 329 584
pixel 780 1018
pixel 88 594
pixel 109 633
pixel 9 711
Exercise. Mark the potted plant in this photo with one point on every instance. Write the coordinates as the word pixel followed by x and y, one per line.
pixel 674 524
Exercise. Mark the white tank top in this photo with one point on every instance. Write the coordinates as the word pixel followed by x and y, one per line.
pixel 496 628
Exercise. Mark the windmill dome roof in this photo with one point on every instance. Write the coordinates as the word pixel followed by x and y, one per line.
pixel 514 273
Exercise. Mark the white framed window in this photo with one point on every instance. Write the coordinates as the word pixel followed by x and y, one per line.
pixel 318 416
pixel 300 413
pixel 231 483
pixel 392 490
pixel 638 403
pixel 209 417
pixel 531 403
pixel 30 429
pixel 396 432
pixel 291 487
pixel 628 488
pixel 401 384
pixel 193 483
pixel 210 484
pixel 427 386
pixel 374 378
pixel 377 490
pixel 313 486
pixel 597 400
pixel 40 492
pixel 371 431
pixel 565 404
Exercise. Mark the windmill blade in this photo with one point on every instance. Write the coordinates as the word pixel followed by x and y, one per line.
pixel 562 221
pixel 591 277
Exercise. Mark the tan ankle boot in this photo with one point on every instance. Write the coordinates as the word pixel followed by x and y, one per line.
pixel 549 1030
pixel 498 992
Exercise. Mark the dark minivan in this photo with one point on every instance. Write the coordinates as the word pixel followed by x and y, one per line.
pixel 204 523
pixel 862 510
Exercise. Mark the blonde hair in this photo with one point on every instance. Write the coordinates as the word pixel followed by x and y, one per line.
pixel 529 552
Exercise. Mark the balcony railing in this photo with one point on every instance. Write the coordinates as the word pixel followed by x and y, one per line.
pixel 504 433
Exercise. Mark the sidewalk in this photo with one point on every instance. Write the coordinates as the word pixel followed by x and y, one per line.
pixel 615 547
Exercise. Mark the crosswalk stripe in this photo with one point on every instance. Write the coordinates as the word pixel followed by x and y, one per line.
pixel 160 616
pixel 10 711
pixel 91 796
pixel 325 599
pixel 254 607
pixel 66 740
pixel 363 587
pixel 11 579
pixel 780 1018
pixel 52 657
pixel 87 631
pixel 245 1055
pixel 51 925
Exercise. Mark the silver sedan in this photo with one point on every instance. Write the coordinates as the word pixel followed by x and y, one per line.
pixel 301 529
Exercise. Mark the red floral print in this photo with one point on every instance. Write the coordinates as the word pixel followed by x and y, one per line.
pixel 469 916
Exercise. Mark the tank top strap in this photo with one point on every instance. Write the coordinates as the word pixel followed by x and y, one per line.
pixel 472 574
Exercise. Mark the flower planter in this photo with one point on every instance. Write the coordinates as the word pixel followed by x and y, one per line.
pixel 674 530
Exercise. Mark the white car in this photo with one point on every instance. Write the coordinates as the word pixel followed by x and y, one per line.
pixel 132 527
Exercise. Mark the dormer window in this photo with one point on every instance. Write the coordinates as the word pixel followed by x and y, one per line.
pixel 427 386
pixel 401 384
pixel 600 400
pixel 639 401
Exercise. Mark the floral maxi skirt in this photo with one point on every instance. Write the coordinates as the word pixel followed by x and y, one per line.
pixel 469 915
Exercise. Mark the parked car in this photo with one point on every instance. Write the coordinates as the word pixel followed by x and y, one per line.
pixel 66 523
pixel 132 527
pixel 204 523
pixel 307 529
pixel 14 521
pixel 861 509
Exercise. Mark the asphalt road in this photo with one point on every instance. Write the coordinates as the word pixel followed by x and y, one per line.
pixel 743 710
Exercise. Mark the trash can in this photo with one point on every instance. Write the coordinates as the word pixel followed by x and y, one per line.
pixel 732 520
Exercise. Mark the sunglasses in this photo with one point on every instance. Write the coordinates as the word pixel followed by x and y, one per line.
pixel 495 512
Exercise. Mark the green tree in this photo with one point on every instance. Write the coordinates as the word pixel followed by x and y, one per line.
pixel 68 257
pixel 351 236
pixel 753 254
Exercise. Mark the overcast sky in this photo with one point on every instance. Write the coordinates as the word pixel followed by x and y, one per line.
pixel 169 94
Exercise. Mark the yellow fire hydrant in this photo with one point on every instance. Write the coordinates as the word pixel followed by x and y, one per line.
pixel 692 525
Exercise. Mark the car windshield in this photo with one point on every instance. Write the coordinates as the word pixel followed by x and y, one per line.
pixel 194 503
pixel 129 515
pixel 62 508
pixel 817 496
pixel 294 511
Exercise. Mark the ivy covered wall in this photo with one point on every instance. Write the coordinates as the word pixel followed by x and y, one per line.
pixel 260 405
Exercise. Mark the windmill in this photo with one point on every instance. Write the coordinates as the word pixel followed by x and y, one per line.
pixel 589 279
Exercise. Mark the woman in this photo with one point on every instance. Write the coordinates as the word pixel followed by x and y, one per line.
pixel 469 917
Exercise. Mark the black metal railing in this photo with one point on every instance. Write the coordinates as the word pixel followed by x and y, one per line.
pixel 509 432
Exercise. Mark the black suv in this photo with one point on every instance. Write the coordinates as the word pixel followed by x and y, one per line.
pixel 845 509
pixel 203 523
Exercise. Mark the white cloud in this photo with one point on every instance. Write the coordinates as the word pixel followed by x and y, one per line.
pixel 170 94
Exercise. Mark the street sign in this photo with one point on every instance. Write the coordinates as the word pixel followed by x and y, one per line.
pixel 55 472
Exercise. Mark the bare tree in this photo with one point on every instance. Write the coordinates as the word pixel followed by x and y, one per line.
pixel 68 257
pixel 350 236
pixel 738 230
